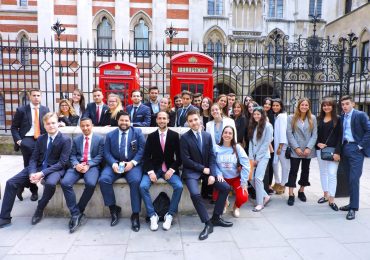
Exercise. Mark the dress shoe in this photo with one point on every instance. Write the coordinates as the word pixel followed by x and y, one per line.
pixel 302 196
pixel 345 208
pixel 333 206
pixel 34 196
pixel 4 222
pixel 135 222
pixel 208 229
pixel 351 214
pixel 115 214
pixel 219 222
pixel 291 200
pixel 322 200
pixel 37 217
pixel 75 222
pixel 19 193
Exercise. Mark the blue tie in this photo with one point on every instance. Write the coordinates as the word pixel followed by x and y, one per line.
pixel 134 114
pixel 199 142
pixel 48 150
pixel 122 146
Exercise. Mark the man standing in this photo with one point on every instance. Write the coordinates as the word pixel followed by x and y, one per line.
pixel 96 110
pixel 123 152
pixel 356 145
pixel 139 113
pixel 153 103
pixel 86 156
pixel 48 163
pixel 231 97
pixel 197 100
pixel 162 160
pixel 186 98
pixel 198 158
pixel 26 127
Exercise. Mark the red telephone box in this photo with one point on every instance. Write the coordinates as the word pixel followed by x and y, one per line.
pixel 192 71
pixel 120 78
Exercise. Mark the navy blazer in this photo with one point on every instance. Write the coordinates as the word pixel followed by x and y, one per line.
pixel 360 127
pixel 135 140
pixel 142 117
pixel 58 157
pixel 22 122
pixel 90 112
pixel 183 117
pixel 96 150
pixel 194 161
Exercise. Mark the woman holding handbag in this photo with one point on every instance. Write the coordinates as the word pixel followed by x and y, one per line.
pixel 229 157
pixel 328 149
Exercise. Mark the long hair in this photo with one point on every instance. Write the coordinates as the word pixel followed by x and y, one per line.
pixel 210 109
pixel 169 106
pixel 238 103
pixel 210 105
pixel 233 143
pixel 224 110
pixel 329 101
pixel 71 110
pixel 246 111
pixel 260 125
pixel 118 108
pixel 82 100
pixel 282 108
pixel 297 114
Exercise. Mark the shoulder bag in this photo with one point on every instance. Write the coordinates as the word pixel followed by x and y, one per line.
pixel 327 153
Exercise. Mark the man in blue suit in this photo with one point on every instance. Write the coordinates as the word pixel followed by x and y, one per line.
pixel 186 98
pixel 124 145
pixel 138 112
pixel 96 109
pixel 356 145
pixel 86 157
pixel 198 159
pixel 48 163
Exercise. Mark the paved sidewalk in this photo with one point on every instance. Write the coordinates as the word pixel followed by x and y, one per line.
pixel 304 231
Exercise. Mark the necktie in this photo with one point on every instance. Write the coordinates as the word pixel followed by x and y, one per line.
pixel 48 150
pixel 122 147
pixel 183 113
pixel 86 150
pixel 134 113
pixel 199 142
pixel 36 123
pixel 164 167
pixel 97 114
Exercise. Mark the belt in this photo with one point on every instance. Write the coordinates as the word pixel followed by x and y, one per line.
pixel 348 142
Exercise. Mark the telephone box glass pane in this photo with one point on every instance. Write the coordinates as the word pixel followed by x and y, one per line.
pixel 192 88
pixel 121 89
pixel 200 88
pixel 184 86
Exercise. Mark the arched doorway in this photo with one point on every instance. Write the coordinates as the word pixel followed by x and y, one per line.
pixel 261 92
pixel 224 88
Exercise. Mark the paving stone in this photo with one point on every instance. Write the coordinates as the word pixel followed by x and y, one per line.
pixel 11 234
pixel 212 250
pixel 360 250
pixel 286 253
pixel 38 257
pixel 173 255
pixel 3 251
pixel 100 252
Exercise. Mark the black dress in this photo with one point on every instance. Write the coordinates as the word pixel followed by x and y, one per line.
pixel 107 120
pixel 240 124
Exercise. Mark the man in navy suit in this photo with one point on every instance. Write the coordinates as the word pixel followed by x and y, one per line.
pixel 97 109
pixel 124 145
pixel 162 160
pixel 86 156
pixel 48 163
pixel 139 113
pixel 198 159
pixel 26 127
pixel 186 98
pixel 356 145
pixel 153 103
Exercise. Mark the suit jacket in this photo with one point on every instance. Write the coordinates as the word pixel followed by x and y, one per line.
pixel 96 150
pixel 302 137
pixel 135 143
pixel 154 155
pixel 183 116
pixel 360 127
pixel 22 122
pixel 90 112
pixel 194 161
pixel 259 149
pixel 148 104
pixel 69 121
pixel 210 128
pixel 58 156
pixel 153 122
pixel 142 117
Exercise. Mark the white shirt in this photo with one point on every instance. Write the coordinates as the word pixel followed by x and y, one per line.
pixel 83 147
pixel 52 137
pixel 196 136
pixel 165 135
pixel 31 132
pixel 77 108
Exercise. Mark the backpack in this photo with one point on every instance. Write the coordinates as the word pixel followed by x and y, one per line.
pixel 161 205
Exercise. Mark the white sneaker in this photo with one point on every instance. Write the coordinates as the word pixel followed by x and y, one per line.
pixel 236 212
pixel 154 222
pixel 167 221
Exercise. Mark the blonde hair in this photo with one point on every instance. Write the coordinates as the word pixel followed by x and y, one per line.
pixel 49 115
pixel 297 114
pixel 169 106
pixel 119 105
pixel 71 110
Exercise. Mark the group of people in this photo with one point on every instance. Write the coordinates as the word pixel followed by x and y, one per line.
pixel 229 145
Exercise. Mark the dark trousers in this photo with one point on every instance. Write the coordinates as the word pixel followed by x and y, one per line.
pixel 133 177
pixel 69 179
pixel 193 187
pixel 267 180
pixel 305 171
pixel 19 180
pixel 27 146
pixel 206 189
pixel 354 158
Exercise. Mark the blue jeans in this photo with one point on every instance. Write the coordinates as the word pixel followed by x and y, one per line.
pixel 176 184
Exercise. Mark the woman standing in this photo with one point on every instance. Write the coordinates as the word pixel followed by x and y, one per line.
pixel 78 102
pixel 229 156
pixel 280 146
pixel 267 104
pixel 222 102
pixel 240 121
pixel 165 106
pixel 110 116
pixel 205 110
pixel 248 117
pixel 329 134
pixel 246 100
pixel 302 136
pixel 260 135
pixel 178 102
pixel 67 115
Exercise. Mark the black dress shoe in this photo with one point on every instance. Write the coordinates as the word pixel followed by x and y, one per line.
pixel 322 200
pixel 37 217
pixel 291 200
pixel 135 222
pixel 116 214
pixel 75 222
pixel 208 229
pixel 219 222
pixel 351 214
pixel 333 206
pixel 4 222
pixel 345 208
pixel 19 193
pixel 34 196
pixel 302 196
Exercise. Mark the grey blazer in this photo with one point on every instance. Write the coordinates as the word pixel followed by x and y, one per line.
pixel 302 137
pixel 259 149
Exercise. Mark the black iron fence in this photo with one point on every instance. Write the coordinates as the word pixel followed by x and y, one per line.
pixel 312 67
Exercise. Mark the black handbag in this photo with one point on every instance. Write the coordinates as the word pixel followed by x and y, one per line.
pixel 327 153
pixel 288 153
